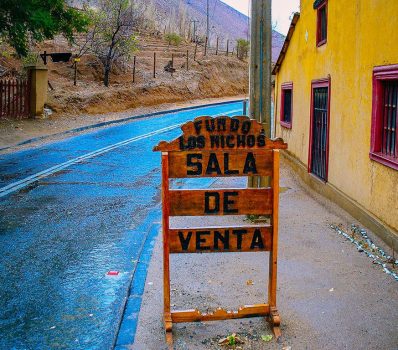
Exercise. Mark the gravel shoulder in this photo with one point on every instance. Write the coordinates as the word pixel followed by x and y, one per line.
pixel 330 296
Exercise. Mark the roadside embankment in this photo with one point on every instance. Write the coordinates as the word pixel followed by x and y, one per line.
pixel 13 132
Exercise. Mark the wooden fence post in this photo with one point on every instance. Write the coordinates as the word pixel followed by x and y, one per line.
pixel 16 97
pixel 1 98
pixel 135 60
pixel 27 96
pixel 217 47
pixel 75 74
pixel 12 106
pixel 206 46
pixel 227 47
pixel 172 64
pixel 9 96
pixel 45 58
pixel 154 64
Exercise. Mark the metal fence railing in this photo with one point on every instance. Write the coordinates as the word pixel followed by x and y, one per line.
pixel 14 98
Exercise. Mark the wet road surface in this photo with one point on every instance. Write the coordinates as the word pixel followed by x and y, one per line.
pixel 70 212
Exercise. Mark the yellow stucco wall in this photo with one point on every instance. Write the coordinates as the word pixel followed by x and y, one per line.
pixel 362 34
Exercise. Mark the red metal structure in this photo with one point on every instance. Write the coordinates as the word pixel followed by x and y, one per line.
pixel 319 129
pixel 14 98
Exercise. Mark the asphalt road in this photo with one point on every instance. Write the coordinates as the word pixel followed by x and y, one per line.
pixel 71 212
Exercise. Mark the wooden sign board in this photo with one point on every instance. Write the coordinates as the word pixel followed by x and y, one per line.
pixel 221 147
pixel 214 239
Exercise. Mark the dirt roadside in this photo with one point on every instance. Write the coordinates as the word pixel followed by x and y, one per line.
pixel 13 132
pixel 330 296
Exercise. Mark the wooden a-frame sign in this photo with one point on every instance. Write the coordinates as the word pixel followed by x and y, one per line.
pixel 221 147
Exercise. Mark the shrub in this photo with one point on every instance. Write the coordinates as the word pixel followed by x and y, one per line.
pixel 173 39
pixel 243 48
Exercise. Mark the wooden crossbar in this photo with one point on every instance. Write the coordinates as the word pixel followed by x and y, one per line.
pixel 195 315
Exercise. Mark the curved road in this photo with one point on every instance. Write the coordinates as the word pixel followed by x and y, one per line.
pixel 71 212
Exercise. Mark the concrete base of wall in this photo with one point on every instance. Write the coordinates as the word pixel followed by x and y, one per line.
pixel 387 234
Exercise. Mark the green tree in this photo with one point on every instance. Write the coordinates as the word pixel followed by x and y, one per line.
pixel 243 48
pixel 23 20
pixel 113 32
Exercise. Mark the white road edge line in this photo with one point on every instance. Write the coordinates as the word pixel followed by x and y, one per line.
pixel 15 186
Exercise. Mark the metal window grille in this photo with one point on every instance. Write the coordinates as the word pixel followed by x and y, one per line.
pixel 287 106
pixel 390 119
pixel 319 132
pixel 323 24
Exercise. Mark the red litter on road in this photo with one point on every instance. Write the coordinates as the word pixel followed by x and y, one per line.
pixel 113 273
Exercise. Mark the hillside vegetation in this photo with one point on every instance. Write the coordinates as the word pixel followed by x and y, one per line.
pixel 145 28
pixel 208 76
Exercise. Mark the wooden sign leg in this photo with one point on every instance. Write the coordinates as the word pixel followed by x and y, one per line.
pixel 274 318
pixel 166 250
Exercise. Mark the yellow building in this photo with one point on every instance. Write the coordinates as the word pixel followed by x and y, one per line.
pixel 336 105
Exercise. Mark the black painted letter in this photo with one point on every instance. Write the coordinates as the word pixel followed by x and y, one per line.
pixel 216 205
pixel 200 240
pixel 227 203
pixel 184 241
pixel 239 236
pixel 227 171
pixel 196 165
pixel 219 237
pixel 213 166
pixel 257 241
pixel 250 164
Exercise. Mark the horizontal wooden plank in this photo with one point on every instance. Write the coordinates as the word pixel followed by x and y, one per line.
pixel 221 202
pixel 215 240
pixel 220 163
pixel 220 314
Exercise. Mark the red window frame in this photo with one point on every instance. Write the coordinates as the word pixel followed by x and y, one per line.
pixel 381 74
pixel 318 83
pixel 284 87
pixel 319 41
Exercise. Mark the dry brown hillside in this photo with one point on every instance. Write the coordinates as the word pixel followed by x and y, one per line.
pixel 208 76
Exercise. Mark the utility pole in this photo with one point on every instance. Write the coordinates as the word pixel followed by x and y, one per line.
pixel 207 23
pixel 260 70
pixel 260 63
pixel 248 22
pixel 194 21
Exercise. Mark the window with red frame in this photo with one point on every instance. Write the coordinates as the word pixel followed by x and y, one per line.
pixel 322 21
pixel 287 105
pixel 384 138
